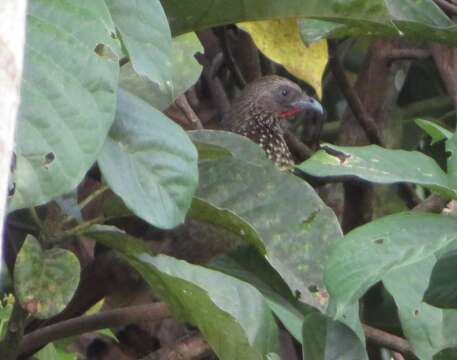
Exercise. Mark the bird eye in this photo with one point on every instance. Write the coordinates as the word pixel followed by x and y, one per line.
pixel 284 92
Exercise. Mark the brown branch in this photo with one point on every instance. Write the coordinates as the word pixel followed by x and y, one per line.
pixel 434 204
pixel 388 341
pixel 211 61
pixel 88 323
pixel 407 54
pixel 298 148
pixel 447 7
pixel 183 104
pixel 363 117
pixel 186 349
pixel 215 86
pixel 408 194
pixel 397 356
pixel 221 33
pixel 123 61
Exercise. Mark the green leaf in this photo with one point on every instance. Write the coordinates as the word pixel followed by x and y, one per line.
pixel 150 163
pixel 6 308
pixel 49 352
pixel 185 71
pixel 409 18
pixel 451 150
pixel 246 264
pixel 231 314
pixel 210 151
pixel 313 30
pixel 295 225
pixel 442 289
pixel 68 98
pixel 428 329
pixel 371 252
pixel 225 219
pixel 45 281
pixel 240 147
pixel 146 35
pixel 436 132
pixel 379 165
pixel 324 338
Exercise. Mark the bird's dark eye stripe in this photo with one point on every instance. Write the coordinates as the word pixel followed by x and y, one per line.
pixel 284 92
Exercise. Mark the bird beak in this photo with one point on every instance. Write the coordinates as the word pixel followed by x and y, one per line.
pixel 309 105
pixel 304 104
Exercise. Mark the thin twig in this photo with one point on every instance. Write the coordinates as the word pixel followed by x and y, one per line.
pixel 186 349
pixel 88 323
pixel 389 341
pixel 183 104
pixel 30 229
pixel 354 102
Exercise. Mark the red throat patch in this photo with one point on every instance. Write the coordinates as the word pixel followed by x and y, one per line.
pixel 289 113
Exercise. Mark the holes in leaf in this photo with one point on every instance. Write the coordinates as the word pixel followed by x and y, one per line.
pixel 13 162
pixel 49 158
pixel 310 218
pixel 11 189
pixel 416 312
pixel 379 241
pixel 313 289
pixel 297 294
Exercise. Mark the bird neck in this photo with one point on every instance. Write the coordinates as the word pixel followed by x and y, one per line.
pixel 267 119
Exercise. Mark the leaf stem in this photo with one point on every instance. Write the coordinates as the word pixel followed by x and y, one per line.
pixel 80 228
pixel 35 217
pixel 91 197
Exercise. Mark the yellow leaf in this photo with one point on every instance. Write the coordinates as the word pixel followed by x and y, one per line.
pixel 280 41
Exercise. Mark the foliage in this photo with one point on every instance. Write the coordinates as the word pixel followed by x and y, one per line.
pixel 106 174
pixel 279 40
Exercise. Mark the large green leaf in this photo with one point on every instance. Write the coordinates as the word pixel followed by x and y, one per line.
pixel 185 71
pixel 45 281
pixel 146 35
pixel 422 19
pixel 371 252
pixel 150 163
pixel 231 314
pixel 295 225
pixel 247 264
pixel 376 164
pixel 428 329
pixel 68 97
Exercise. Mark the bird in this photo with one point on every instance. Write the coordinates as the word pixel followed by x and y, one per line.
pixel 260 108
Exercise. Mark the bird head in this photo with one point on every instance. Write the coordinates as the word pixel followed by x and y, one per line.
pixel 282 98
